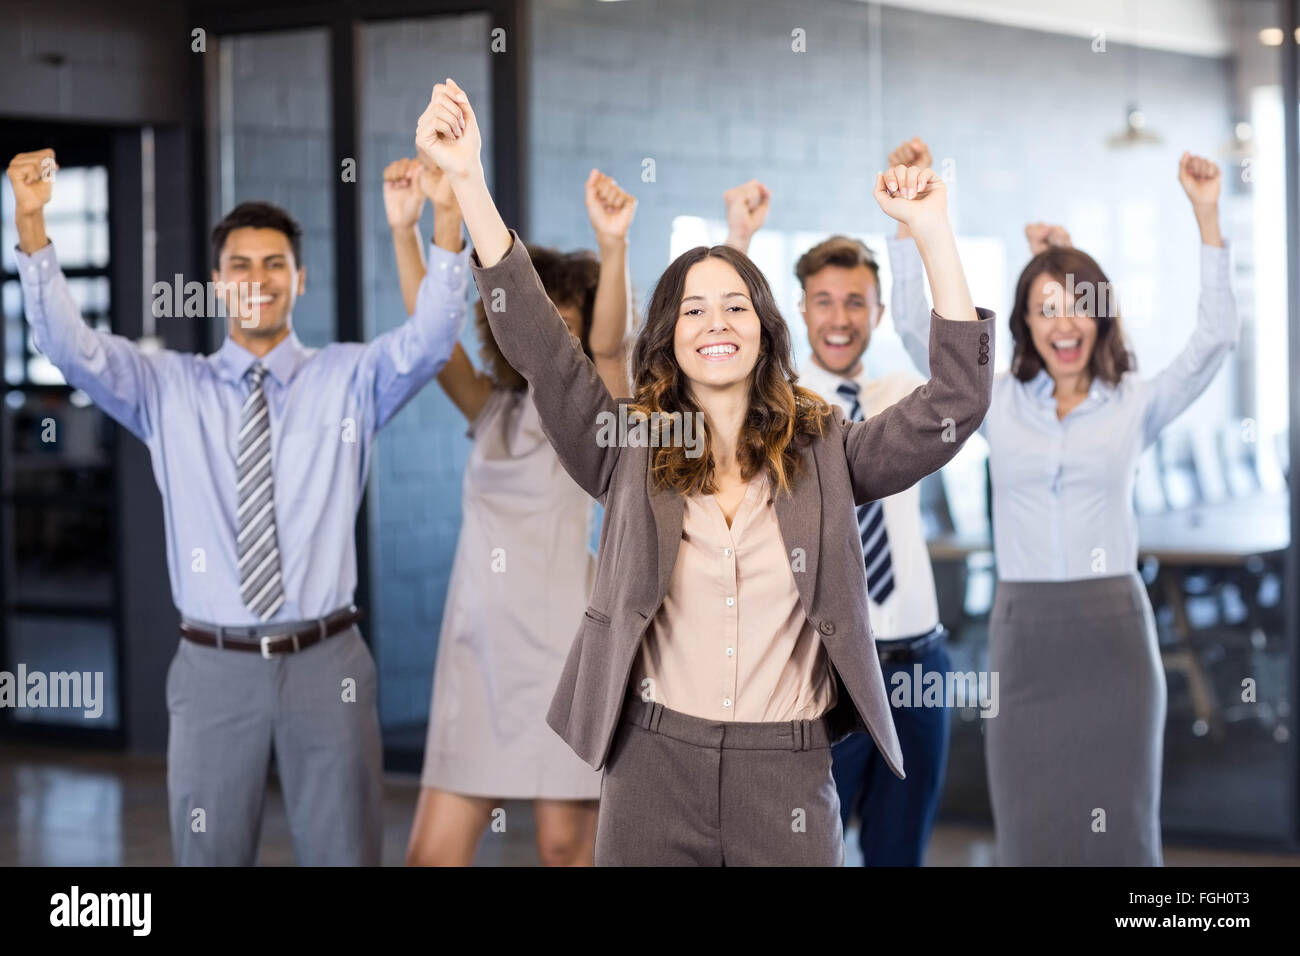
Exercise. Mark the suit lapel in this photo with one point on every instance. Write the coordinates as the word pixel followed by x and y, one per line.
pixel 799 516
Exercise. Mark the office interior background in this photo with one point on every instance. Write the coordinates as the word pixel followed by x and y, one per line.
pixel 164 115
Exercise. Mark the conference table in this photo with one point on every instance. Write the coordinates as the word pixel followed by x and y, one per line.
pixel 1234 539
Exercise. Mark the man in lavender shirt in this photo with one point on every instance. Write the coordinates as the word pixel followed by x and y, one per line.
pixel 260 451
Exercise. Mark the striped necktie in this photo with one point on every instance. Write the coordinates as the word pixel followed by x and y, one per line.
pixel 871 521
pixel 260 587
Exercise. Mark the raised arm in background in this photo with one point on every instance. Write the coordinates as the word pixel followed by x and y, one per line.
pixel 919 434
pixel 570 396
pixel 109 368
pixel 1179 383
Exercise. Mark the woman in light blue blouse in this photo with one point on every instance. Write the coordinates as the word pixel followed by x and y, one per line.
pixel 1074 754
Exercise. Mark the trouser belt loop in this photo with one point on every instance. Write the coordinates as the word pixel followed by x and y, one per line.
pixel 221 637
pixel 656 714
pixel 799 734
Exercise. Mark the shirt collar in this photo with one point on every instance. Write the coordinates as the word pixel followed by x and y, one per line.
pixel 282 362
pixel 1041 387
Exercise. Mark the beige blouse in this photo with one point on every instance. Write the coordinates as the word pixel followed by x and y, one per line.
pixel 731 641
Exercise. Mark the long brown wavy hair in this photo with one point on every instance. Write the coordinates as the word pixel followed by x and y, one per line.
pixel 783 417
pixel 569 278
pixel 1110 357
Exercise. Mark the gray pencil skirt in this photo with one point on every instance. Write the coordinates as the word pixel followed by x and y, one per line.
pixel 1074 752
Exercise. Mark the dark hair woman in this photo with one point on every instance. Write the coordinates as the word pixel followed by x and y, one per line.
pixel 726 644
pixel 1074 752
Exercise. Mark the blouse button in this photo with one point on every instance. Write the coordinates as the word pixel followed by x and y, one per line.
pixel 726 552
pixel 730 601
pixel 726 702
pixel 731 651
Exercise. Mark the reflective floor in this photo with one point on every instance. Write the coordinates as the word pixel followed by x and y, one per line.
pixel 79 808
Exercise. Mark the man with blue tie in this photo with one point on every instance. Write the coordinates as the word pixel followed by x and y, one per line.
pixel 260 451
pixel 841 307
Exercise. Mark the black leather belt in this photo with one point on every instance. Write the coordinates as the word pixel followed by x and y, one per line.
pixel 246 638
pixel 905 650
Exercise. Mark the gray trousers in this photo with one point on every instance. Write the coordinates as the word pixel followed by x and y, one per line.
pixel 231 709
pixel 682 791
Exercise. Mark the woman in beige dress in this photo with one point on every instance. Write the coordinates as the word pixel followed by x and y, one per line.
pixel 522 571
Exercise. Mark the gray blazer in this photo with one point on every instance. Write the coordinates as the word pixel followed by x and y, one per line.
pixel 850 464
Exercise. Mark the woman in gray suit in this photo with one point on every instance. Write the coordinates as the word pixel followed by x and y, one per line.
pixel 727 644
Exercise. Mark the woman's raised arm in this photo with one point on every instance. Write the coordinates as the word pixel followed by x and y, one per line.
pixel 574 406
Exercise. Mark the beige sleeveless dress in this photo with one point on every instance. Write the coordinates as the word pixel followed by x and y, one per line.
pixel 519 585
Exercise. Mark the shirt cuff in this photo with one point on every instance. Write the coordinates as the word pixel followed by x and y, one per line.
pixel 452 266
pixel 1216 265
pixel 38 266
pixel 904 257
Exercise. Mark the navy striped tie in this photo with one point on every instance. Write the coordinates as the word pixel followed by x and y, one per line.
pixel 871 521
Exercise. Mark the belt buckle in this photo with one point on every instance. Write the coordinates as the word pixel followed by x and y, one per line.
pixel 265 640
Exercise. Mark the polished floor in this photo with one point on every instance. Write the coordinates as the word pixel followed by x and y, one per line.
pixel 78 808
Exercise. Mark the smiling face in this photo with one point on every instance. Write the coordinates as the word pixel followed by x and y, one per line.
pixel 718 336
pixel 1060 327
pixel 262 282
pixel 841 308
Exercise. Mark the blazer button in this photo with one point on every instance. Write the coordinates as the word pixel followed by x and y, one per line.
pixel 984 338
pixel 984 360
pixel 826 627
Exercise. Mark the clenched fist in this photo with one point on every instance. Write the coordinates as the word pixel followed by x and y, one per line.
pixel 1043 236
pixel 32 178
pixel 447 133
pixel 609 207
pixel 911 152
pixel 1200 179
pixel 747 208
pixel 914 196
pixel 403 198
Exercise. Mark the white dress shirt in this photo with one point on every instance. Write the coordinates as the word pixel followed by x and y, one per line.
pixel 1063 488
pixel 912 608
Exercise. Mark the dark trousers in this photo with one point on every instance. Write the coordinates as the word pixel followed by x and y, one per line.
pixel 896 815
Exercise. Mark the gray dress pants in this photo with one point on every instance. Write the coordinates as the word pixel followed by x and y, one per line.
pixel 684 791
pixel 315 710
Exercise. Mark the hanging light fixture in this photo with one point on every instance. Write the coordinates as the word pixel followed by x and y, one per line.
pixel 1135 131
